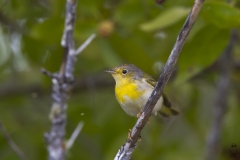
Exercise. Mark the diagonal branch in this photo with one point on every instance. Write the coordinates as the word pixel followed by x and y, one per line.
pixel 220 107
pixel 62 86
pixel 74 135
pixel 127 149
pixel 85 44
pixel 11 143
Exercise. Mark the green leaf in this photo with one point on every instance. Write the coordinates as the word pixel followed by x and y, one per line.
pixel 166 18
pixel 108 55
pixel 202 51
pixel 49 31
pixel 221 14
pixel 129 14
pixel 129 51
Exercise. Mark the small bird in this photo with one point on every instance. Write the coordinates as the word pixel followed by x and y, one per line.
pixel 134 87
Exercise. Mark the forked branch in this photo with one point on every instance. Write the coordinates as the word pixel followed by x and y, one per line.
pixel 62 86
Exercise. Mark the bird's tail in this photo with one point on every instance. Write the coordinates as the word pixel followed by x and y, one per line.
pixel 168 111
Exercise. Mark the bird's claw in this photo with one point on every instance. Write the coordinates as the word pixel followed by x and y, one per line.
pixel 139 114
pixel 148 121
pixel 129 134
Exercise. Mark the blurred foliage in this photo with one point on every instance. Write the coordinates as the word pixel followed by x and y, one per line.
pixel 138 32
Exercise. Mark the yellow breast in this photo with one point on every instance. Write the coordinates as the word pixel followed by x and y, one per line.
pixel 127 90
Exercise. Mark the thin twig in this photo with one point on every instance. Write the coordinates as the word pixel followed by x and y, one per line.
pixel 220 107
pixel 49 74
pixel 85 44
pixel 11 143
pixel 74 135
pixel 125 152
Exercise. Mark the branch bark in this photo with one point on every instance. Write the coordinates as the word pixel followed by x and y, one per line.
pixel 11 143
pixel 62 86
pixel 126 150
pixel 220 107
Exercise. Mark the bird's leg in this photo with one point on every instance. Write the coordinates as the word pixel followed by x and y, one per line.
pixel 129 134
pixel 139 114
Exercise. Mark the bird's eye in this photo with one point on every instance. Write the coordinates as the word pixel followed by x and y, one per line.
pixel 124 71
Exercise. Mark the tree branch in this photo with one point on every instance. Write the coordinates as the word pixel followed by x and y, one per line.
pixel 127 149
pixel 62 86
pixel 85 44
pixel 220 107
pixel 74 135
pixel 80 84
pixel 11 143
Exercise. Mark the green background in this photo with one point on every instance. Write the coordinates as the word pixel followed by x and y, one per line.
pixel 140 32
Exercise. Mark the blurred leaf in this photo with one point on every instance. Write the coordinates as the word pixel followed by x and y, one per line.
pixel 49 31
pixel 166 19
pixel 90 9
pixel 221 14
pixel 4 48
pixel 108 55
pixel 202 51
pixel 132 53
pixel 83 29
pixel 198 25
pixel 129 14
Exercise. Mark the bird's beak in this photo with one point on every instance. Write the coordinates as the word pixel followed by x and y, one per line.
pixel 110 71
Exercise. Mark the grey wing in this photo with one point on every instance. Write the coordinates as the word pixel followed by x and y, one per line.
pixel 153 83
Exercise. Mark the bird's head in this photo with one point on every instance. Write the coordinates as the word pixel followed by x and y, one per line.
pixel 125 72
